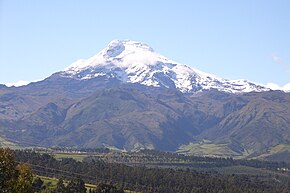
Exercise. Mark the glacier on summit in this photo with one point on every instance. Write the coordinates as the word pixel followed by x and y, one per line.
pixel 135 62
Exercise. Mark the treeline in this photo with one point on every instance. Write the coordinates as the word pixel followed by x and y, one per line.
pixel 143 179
pixel 154 156
pixel 86 150
pixel 215 161
pixel 163 158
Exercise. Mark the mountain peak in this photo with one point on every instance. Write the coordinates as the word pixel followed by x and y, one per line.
pixel 119 53
pixel 136 62
pixel 116 47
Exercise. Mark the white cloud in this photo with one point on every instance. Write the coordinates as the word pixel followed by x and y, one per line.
pixel 278 60
pixel 18 83
pixel 287 87
pixel 21 83
pixel 274 86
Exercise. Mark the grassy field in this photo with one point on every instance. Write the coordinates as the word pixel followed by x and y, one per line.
pixel 79 156
pixel 76 156
pixel 50 183
pixel 5 143
pixel 280 148
pixel 208 149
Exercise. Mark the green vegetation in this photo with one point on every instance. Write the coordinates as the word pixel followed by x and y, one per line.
pixel 50 185
pixel 76 156
pixel 144 171
pixel 280 152
pixel 44 184
pixel 208 149
pixel 138 178
pixel 279 148
pixel 6 143
pixel 14 177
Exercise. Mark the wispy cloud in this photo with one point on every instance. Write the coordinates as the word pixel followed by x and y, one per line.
pixel 18 83
pixel 274 86
pixel 278 60
pixel 21 83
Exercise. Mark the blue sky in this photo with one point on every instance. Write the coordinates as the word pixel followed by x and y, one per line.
pixel 232 39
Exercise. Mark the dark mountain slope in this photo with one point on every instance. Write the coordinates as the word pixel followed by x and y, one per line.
pixel 262 122
pixel 133 116
pixel 119 117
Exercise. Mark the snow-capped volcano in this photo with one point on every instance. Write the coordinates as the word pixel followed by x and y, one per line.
pixel 135 62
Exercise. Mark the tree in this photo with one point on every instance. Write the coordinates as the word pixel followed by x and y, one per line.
pixel 24 180
pixel 60 188
pixel 37 184
pixel 8 173
pixel 107 188
pixel 76 185
pixel 14 178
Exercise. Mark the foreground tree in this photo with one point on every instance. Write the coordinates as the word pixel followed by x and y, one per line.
pixel 24 179
pixel 7 170
pixel 14 178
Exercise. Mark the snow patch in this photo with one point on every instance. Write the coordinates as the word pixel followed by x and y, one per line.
pixel 136 62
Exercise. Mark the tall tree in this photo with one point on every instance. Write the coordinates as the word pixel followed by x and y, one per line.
pixel 24 180
pixel 14 178
pixel 76 185
pixel 37 184
pixel 60 188
pixel 8 173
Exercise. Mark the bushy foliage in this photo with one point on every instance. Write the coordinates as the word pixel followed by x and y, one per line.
pixel 14 178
